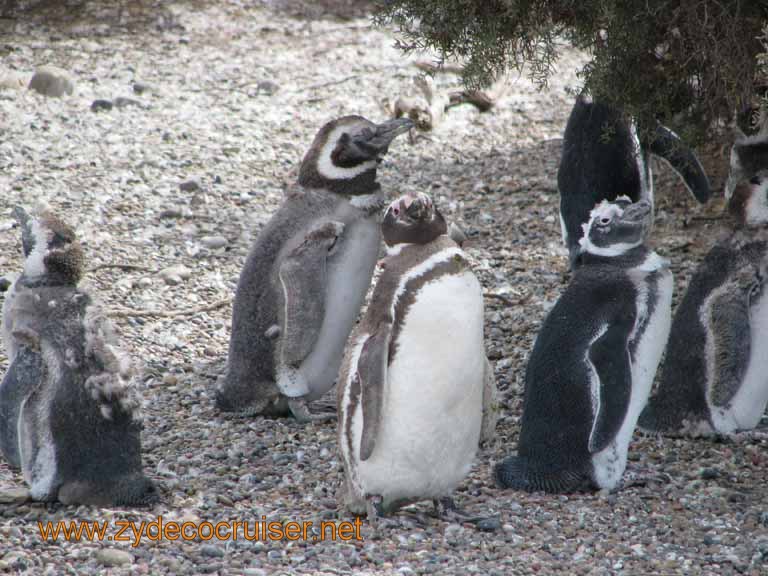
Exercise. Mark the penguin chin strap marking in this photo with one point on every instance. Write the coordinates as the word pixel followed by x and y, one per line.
pixel 34 264
pixel 613 250
pixel 327 169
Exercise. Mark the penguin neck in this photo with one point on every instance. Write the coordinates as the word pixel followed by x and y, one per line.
pixel 630 258
pixel 358 185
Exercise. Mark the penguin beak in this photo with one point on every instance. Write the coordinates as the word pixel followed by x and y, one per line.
pixel 382 135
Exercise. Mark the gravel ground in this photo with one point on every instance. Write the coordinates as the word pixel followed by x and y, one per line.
pixel 176 184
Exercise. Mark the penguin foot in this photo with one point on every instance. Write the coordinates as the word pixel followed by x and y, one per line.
pixel 374 508
pixel 445 508
pixel 300 410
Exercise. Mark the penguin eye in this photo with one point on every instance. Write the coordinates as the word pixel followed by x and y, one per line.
pixel 396 211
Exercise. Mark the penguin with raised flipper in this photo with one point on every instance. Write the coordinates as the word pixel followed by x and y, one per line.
pixel 715 375
pixel 603 158
pixel 411 387
pixel 594 359
pixel 307 274
pixel 69 413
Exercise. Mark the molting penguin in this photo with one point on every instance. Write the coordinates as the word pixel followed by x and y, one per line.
pixel 68 413
pixel 594 360
pixel 411 387
pixel 307 274
pixel 715 376
pixel 603 158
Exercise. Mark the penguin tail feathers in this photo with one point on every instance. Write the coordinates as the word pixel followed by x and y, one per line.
pixel 520 473
pixel 648 420
pixel 668 146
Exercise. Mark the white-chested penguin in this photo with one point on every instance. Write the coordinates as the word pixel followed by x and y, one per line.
pixel 594 360
pixel 603 158
pixel 410 393
pixel 715 375
pixel 69 416
pixel 307 274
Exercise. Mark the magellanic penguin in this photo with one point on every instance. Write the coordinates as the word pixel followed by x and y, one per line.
pixel 410 390
pixel 69 415
pixel 305 279
pixel 603 158
pixel 715 375
pixel 594 360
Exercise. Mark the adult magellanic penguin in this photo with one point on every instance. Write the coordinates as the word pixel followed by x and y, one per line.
pixel 411 387
pixel 715 375
pixel 594 360
pixel 69 412
pixel 307 274
pixel 604 158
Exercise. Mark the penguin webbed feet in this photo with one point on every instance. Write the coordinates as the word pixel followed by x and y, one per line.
pixel 300 409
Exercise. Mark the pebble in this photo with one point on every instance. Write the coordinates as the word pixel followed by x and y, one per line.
pixel 174 275
pixel 14 495
pixel 52 81
pixel 190 186
pixel 101 105
pixel 489 524
pixel 211 551
pixel 113 557
pixel 214 242
pixel 123 102
pixel 139 88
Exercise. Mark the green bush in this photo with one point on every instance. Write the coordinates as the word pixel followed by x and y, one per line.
pixel 692 64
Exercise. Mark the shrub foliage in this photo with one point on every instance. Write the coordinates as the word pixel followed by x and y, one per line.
pixel 692 64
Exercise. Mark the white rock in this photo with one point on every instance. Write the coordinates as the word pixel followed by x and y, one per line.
pixel 214 242
pixel 174 275
pixel 13 495
pixel 11 80
pixel 52 81
pixel 113 557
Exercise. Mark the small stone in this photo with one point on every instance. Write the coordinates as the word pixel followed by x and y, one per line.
pixel 254 572
pixel 174 275
pixel 709 473
pixel 100 104
pixel 190 186
pixel 51 81
pixel 489 524
pixel 123 102
pixel 170 379
pixel 211 551
pixel 140 88
pixel 170 213
pixel 13 495
pixel 214 242
pixel 266 87
pixel 113 557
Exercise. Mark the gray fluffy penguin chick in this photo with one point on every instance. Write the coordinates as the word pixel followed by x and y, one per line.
pixel 715 376
pixel 306 276
pixel 69 415
pixel 411 387
pixel 592 366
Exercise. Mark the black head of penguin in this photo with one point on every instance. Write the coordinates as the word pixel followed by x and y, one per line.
pixel 51 250
pixel 616 227
pixel 346 152
pixel 412 220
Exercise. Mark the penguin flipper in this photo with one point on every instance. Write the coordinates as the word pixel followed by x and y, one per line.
pixel 727 314
pixel 372 371
pixel 611 385
pixel 23 376
pixel 668 146
pixel 303 280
